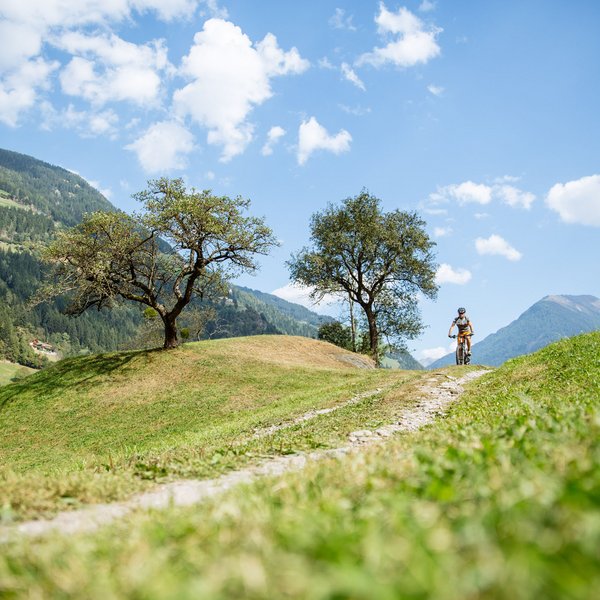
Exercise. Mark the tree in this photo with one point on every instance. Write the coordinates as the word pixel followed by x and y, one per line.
pixel 377 260
pixel 184 244
pixel 336 333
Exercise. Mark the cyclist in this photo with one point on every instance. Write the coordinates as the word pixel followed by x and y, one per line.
pixel 464 326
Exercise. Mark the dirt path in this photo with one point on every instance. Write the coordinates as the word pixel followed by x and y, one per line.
pixel 432 403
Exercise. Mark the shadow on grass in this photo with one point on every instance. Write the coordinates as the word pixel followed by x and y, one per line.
pixel 72 372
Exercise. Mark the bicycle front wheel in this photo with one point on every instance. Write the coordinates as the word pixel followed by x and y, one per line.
pixel 460 355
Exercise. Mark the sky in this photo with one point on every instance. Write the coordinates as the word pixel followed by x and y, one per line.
pixel 481 116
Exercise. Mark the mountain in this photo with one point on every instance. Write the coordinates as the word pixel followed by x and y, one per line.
pixel 36 199
pixel 401 359
pixel 550 319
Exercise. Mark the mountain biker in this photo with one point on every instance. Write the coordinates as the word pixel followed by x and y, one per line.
pixel 464 326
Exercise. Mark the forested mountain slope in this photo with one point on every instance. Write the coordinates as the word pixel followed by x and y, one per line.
pixel 36 199
pixel 549 320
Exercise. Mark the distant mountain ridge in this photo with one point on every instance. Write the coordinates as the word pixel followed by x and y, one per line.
pixel 548 320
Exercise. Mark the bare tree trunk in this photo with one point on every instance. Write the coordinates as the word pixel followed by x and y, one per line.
pixel 352 323
pixel 373 335
pixel 171 340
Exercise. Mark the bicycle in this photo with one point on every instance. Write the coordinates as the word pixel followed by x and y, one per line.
pixel 462 354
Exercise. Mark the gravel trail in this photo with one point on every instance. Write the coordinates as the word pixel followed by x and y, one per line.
pixel 434 400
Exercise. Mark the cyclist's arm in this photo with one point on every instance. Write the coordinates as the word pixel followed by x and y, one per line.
pixel 451 328
pixel 471 327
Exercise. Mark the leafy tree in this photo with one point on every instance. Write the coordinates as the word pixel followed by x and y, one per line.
pixel 184 244
pixel 336 333
pixel 378 260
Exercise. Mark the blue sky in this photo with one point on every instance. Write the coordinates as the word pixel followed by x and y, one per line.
pixel 482 116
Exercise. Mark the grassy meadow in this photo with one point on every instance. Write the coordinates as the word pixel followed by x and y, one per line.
pixel 98 428
pixel 500 499
pixel 10 372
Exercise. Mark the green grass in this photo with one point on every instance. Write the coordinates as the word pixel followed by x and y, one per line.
pixel 9 202
pixel 98 428
pixel 10 372
pixel 501 499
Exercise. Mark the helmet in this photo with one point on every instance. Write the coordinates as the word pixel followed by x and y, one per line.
pixel 462 311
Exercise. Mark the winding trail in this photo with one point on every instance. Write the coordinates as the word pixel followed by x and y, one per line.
pixel 434 400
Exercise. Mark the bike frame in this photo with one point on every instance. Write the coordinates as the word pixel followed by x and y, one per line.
pixel 462 358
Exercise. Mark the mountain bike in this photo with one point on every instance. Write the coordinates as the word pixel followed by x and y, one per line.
pixel 462 351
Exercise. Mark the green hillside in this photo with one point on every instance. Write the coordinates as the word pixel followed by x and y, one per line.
pixel 500 499
pixel 98 427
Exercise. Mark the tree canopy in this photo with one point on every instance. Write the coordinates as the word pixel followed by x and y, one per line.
pixel 378 260
pixel 183 244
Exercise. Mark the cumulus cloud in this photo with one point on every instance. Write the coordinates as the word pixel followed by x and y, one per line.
pixel 427 6
pixel 163 147
pixel 436 90
pixel 465 193
pixel 313 136
pixel 514 196
pixel 106 68
pixel 496 245
pixel 274 135
pixel 229 76
pixel 27 27
pixel 577 201
pixel 352 77
pixel 447 274
pixel 340 20
pixel 414 42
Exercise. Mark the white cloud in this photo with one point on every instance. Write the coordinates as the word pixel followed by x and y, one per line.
pixel 89 124
pixel 29 25
pixel 414 42
pixel 163 147
pixel 514 197
pixel 352 77
pixel 464 193
pixel 312 136
pixel 229 77
pixel 447 274
pixel 340 20
pixel 19 89
pixel 300 294
pixel 577 201
pixel 107 68
pixel 62 13
pixel 497 245
pixel 436 90
pixel 442 231
pixel 274 135
pixel 325 63
pixel 20 42
pixel 427 6
pixel 429 355
pixel 219 12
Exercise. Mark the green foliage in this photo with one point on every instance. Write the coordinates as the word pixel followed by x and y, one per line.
pixel 336 333
pixel 378 260
pixel 113 256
